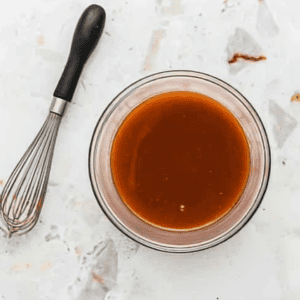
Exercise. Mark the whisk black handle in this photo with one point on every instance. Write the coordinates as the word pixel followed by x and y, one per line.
pixel 86 36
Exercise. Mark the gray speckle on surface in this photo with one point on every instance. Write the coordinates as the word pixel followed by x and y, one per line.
pixel 53 235
pixel 54 228
pixel 296 231
pixel 265 23
pixel 283 123
pixel 50 237
pixel 98 272
pixel 241 42
pixel 127 248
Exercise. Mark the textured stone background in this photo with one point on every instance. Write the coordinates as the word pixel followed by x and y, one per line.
pixel 74 252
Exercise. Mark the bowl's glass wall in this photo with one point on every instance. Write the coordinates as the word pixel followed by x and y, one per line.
pixel 107 195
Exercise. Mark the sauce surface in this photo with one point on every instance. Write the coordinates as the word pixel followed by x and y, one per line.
pixel 180 161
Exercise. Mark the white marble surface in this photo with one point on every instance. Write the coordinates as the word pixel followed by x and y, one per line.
pixel 74 252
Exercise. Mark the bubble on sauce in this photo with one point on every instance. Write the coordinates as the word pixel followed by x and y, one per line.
pixel 182 207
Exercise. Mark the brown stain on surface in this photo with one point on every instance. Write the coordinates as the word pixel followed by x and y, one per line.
pixel 41 40
pixel 174 9
pixel 88 207
pixel 1 182
pixel 45 266
pixel 97 278
pixel 21 267
pixel 236 56
pixel 157 36
pixel 39 205
pixel 296 97
pixel 25 266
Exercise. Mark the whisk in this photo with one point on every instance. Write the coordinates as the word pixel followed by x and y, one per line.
pixel 24 193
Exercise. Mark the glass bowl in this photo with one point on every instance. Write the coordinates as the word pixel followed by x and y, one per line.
pixel 107 194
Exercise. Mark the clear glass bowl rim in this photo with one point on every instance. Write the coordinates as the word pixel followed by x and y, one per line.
pixel 134 86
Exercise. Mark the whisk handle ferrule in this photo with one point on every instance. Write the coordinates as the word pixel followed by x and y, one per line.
pixel 86 36
pixel 58 106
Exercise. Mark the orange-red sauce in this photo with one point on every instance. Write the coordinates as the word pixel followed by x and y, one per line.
pixel 180 160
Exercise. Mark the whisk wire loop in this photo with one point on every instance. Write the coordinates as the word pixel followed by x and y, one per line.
pixel 24 193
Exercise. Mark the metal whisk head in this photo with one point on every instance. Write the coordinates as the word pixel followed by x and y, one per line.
pixel 23 195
